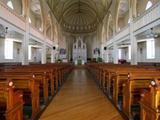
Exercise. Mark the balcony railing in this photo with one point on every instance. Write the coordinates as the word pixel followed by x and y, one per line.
pixel 124 32
pixel 35 32
pixel 10 16
pixel 148 17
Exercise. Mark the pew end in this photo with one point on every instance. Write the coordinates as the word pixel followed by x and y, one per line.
pixel 150 102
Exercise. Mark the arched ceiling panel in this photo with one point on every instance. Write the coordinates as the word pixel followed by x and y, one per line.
pixel 123 8
pixel 79 15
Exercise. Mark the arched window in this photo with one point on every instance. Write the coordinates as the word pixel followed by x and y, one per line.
pixel 149 4
pixel 8 47
pixel 119 53
pixel 10 4
pixel 30 20
pixel 29 52
pixel 129 20
pixel 129 52
pixel 151 48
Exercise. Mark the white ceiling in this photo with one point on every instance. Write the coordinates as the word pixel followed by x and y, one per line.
pixel 35 7
pixel 79 15
pixel 123 8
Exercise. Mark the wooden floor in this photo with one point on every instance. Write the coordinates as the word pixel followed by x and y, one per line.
pixel 80 99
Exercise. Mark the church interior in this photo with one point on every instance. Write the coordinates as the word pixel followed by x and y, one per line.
pixel 79 59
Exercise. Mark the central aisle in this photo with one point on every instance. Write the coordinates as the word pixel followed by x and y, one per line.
pixel 80 99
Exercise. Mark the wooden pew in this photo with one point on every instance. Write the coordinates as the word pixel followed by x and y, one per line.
pixel 42 75
pixel 11 102
pixel 150 102
pixel 120 76
pixel 30 86
pixel 125 83
pixel 28 79
pixel 55 71
pixel 136 83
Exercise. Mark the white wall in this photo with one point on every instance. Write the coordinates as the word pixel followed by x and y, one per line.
pixel 92 43
pixel 125 53
pixel 142 55
pixel 36 54
pixel 17 54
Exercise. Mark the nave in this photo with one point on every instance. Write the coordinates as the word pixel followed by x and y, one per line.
pixel 80 99
pixel 42 41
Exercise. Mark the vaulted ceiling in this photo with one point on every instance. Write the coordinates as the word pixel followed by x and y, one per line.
pixel 79 16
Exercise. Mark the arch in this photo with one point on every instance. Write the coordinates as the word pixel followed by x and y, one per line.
pixel 110 27
pixel 104 28
pixel 48 32
pixel 15 5
pixel 143 5
pixel 55 32
pixel 103 33
pixel 122 14
pixel 35 14
pixel 49 26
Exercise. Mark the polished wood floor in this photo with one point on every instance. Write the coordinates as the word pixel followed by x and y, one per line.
pixel 80 99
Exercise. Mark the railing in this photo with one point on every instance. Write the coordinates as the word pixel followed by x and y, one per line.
pixel 124 32
pixel 49 41
pixel 110 41
pixel 119 35
pixel 15 19
pixel 35 32
pixel 147 17
pixel 11 16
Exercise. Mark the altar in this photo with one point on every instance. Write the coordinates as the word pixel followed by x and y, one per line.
pixel 79 52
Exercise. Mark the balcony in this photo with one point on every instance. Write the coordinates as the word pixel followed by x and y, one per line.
pixel 149 17
pixel 123 33
pixel 11 17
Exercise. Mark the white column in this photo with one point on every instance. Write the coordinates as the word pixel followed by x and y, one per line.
pixel 115 55
pixel 102 51
pixel 133 45
pixel 106 55
pixel 133 51
pixel 132 37
pixel 25 44
pixel 43 59
pixel 53 56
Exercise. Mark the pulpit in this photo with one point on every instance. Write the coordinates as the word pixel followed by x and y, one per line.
pixel 79 52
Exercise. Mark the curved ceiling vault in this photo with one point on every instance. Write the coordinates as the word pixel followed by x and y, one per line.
pixel 79 16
